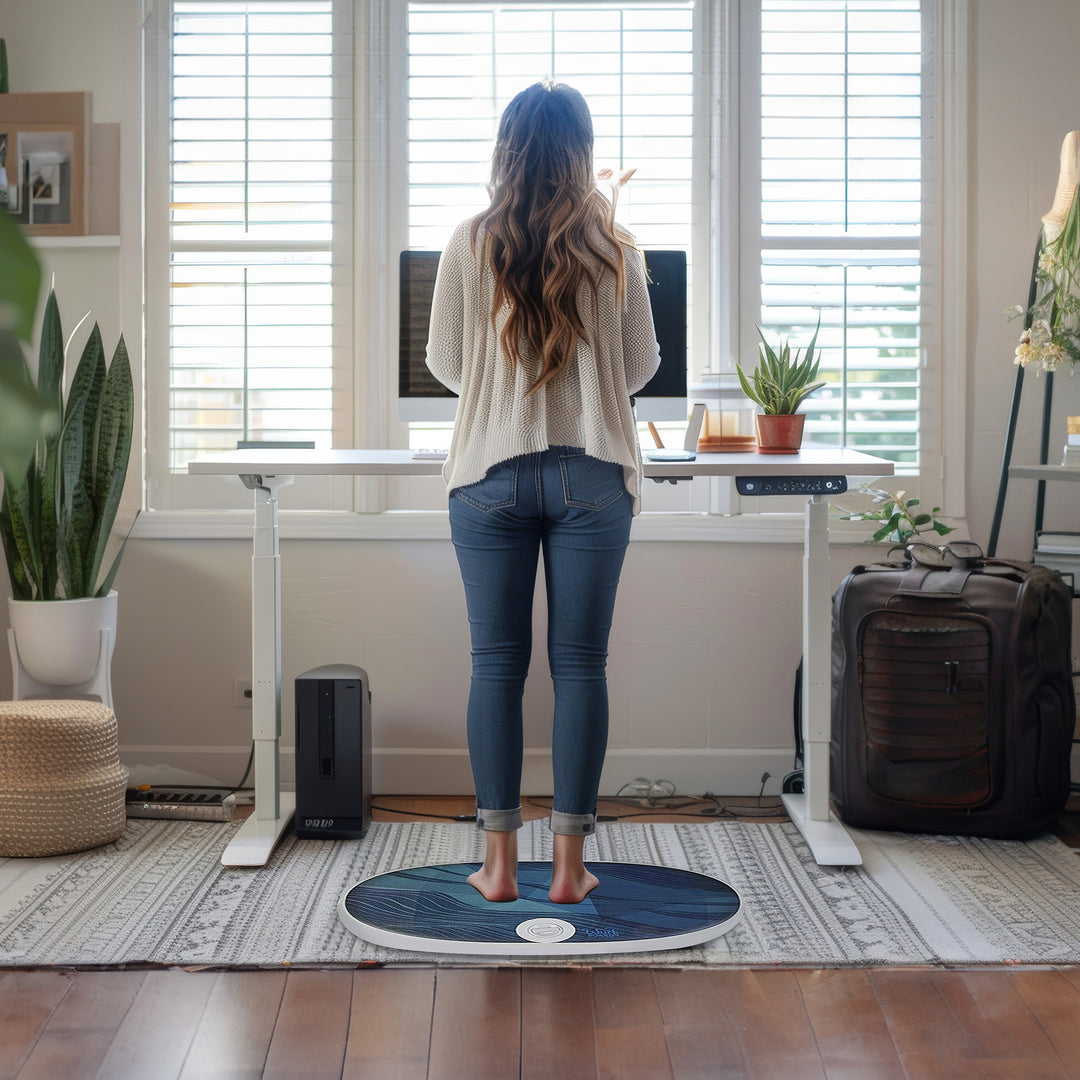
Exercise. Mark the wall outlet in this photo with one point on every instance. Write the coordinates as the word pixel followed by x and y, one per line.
pixel 242 693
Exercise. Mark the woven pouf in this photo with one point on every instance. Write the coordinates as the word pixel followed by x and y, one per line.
pixel 61 782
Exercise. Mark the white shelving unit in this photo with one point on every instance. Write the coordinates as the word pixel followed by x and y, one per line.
pixel 1044 472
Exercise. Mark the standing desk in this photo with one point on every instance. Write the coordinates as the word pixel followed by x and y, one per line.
pixel 265 472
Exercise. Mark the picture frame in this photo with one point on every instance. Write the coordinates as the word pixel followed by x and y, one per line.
pixel 43 161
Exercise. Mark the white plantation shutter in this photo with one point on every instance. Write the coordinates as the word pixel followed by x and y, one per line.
pixel 633 62
pixel 251 224
pixel 841 210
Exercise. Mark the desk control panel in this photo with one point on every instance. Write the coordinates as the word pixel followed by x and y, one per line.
pixel 791 485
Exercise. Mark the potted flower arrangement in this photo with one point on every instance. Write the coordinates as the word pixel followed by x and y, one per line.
pixel 778 386
pixel 899 520
pixel 57 515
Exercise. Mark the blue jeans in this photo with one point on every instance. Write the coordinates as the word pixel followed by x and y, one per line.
pixel 577 509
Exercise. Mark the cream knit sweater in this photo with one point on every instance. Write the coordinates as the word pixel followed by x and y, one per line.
pixel 586 404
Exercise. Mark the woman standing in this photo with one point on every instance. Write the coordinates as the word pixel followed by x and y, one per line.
pixel 541 323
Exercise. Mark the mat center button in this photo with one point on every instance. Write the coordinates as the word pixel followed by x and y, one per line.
pixel 545 930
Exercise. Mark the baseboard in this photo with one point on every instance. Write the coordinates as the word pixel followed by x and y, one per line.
pixel 434 771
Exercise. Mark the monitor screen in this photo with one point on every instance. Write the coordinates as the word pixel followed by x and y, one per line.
pixel 421 396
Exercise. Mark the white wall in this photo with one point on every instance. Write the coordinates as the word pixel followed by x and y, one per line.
pixel 706 636
pixel 691 701
pixel 1024 96
pixel 63 45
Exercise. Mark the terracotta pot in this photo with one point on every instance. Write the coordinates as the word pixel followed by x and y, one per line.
pixel 779 434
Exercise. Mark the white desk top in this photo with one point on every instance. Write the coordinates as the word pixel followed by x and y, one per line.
pixel 402 463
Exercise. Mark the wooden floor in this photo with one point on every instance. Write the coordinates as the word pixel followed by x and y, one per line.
pixel 473 1023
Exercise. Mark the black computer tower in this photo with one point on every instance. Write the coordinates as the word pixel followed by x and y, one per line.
pixel 333 753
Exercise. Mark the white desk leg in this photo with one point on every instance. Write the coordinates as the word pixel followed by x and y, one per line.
pixel 826 835
pixel 273 811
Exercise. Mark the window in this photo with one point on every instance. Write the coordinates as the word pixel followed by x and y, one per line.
pixel 255 180
pixel 787 145
pixel 252 199
pixel 841 196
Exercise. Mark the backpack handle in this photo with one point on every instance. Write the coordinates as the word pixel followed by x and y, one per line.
pixel 962 554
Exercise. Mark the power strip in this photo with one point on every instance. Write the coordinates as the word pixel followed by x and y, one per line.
pixel 190 804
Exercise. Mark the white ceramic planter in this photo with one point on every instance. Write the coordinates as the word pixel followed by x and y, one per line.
pixel 59 641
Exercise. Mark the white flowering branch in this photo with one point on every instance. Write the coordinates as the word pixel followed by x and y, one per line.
pixel 1051 334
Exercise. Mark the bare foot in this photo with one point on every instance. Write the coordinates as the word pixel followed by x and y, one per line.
pixel 496 880
pixel 570 881
pixel 492 885
pixel 571 888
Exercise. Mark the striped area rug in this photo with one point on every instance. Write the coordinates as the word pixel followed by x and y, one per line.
pixel 160 896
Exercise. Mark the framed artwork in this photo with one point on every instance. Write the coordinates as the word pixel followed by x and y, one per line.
pixel 43 161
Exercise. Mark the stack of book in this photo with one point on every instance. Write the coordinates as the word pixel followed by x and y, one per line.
pixel 1060 551
pixel 1071 457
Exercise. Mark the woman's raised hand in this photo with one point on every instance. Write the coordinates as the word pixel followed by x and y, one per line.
pixel 616 181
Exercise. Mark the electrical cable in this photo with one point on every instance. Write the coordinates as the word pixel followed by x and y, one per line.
pixel 659 805
pixel 422 813
pixel 733 812
pixel 247 769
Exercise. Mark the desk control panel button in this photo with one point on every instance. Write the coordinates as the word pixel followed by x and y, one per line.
pixel 791 485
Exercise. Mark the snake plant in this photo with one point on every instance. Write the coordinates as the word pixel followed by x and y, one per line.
pixel 778 384
pixel 56 519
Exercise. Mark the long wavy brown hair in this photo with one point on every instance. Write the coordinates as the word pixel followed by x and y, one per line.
pixel 548 229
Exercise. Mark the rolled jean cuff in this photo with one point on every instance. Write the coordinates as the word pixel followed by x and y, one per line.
pixel 572 824
pixel 498 820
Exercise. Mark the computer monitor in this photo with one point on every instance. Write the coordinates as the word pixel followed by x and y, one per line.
pixel 421 397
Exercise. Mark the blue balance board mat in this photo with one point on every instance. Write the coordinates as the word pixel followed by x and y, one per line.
pixel 635 908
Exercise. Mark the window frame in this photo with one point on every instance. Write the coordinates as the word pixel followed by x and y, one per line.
pixel 940 246
pixel 173 492
pixel 721 227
